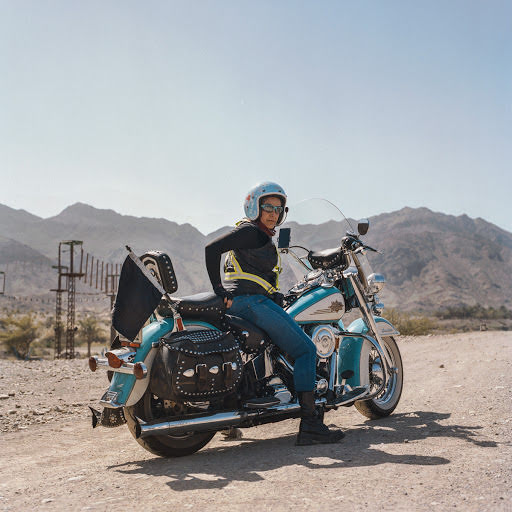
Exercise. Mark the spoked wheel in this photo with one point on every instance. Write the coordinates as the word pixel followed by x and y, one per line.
pixel 149 408
pixel 385 403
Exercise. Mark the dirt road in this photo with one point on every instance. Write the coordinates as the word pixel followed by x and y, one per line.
pixel 447 446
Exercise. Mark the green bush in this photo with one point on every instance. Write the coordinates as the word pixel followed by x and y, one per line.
pixel 90 330
pixel 476 311
pixel 409 325
pixel 18 334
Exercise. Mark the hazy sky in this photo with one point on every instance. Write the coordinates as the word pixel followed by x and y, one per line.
pixel 175 109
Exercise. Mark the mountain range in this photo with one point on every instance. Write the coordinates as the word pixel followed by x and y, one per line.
pixel 430 260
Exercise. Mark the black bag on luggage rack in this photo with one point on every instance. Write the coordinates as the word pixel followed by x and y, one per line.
pixel 195 365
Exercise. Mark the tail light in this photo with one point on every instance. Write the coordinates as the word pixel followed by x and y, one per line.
pixel 93 364
pixel 113 360
pixel 139 371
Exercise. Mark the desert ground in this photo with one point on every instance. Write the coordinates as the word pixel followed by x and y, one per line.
pixel 446 447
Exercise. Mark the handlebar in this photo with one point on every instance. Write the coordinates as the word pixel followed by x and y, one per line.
pixel 352 243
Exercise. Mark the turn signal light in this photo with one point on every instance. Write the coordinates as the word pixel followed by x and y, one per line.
pixel 113 360
pixel 93 364
pixel 138 371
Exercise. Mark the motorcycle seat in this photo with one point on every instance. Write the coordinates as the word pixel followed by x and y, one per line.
pixel 327 258
pixel 254 339
pixel 206 306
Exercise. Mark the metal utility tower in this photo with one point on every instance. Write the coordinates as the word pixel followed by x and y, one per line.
pixel 58 308
pixel 2 292
pixel 111 282
pixel 70 273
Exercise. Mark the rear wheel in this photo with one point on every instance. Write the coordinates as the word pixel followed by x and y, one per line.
pixel 385 403
pixel 149 408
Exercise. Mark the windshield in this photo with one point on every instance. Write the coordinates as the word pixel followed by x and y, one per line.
pixel 313 219
pixel 316 224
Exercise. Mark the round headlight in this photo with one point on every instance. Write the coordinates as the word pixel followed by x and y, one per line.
pixel 324 339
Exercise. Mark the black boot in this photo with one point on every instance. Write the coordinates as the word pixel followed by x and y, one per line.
pixel 312 429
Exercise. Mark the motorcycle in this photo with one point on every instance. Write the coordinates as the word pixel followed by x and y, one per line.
pixel 195 370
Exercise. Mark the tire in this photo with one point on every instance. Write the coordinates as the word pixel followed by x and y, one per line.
pixel 385 403
pixel 147 409
pixel 150 407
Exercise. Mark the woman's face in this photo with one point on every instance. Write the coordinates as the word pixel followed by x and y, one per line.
pixel 269 219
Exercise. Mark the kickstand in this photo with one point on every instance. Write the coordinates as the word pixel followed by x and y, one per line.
pixel 232 434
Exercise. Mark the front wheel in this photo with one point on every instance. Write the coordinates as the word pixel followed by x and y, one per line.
pixel 150 407
pixel 385 403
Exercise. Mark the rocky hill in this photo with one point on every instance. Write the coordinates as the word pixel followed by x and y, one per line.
pixel 430 259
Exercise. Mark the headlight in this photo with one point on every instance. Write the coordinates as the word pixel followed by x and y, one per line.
pixel 375 283
pixel 324 339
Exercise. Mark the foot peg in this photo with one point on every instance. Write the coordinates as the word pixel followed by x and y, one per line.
pixel 352 395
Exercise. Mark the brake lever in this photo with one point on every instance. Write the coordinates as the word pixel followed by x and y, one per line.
pixel 365 248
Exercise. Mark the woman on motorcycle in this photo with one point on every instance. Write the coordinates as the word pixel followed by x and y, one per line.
pixel 251 292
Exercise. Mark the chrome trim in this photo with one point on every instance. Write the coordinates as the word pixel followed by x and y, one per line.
pixel 285 363
pixel 269 367
pixel 320 333
pixel 339 397
pixel 109 399
pixel 217 421
pixel 111 404
pixel 322 386
pixel 369 319
pixel 333 371
pixel 125 368
pixel 385 329
pixel 375 283
pixel 351 271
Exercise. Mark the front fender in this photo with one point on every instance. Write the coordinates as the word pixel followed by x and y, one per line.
pixel 124 388
pixel 354 352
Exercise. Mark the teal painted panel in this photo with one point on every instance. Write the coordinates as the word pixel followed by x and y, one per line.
pixel 350 349
pixel 310 298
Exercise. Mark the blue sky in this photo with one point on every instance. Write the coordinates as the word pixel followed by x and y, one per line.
pixel 175 109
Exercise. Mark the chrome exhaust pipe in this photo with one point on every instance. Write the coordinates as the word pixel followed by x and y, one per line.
pixel 217 421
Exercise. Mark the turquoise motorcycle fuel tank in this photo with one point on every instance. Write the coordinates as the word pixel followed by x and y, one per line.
pixel 318 305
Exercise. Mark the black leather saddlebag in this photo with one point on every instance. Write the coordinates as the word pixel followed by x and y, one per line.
pixel 195 365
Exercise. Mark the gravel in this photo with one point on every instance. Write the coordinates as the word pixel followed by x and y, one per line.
pixel 446 447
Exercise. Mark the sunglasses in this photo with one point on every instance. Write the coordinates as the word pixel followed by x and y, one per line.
pixel 269 208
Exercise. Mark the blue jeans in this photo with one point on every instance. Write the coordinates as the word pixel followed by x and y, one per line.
pixel 283 331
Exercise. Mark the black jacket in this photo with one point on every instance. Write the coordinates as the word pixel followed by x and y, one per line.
pixel 254 251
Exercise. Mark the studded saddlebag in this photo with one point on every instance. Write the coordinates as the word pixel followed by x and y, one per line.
pixel 195 365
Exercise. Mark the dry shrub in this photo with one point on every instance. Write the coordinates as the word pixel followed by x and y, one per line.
pixel 409 325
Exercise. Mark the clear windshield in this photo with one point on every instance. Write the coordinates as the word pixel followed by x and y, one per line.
pixel 316 224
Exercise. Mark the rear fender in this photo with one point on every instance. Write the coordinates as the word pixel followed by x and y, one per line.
pixel 124 388
pixel 353 352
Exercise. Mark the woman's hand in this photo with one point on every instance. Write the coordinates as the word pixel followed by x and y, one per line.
pixel 225 295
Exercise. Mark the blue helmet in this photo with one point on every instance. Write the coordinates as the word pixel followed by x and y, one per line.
pixel 254 196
